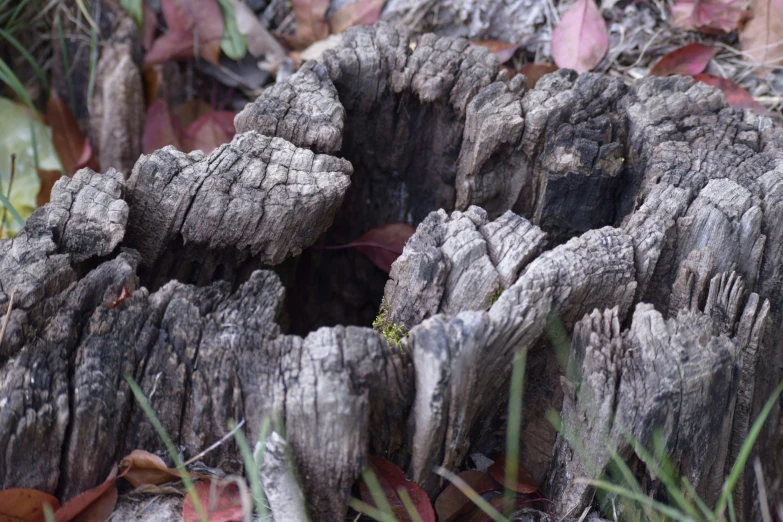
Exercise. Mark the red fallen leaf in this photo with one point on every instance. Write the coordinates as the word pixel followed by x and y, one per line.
pixel 186 21
pixel 384 244
pixel 25 505
pixel 94 505
pixel 504 51
pixel 221 505
pixel 209 131
pixel 391 479
pixel 311 23
pixel 710 16
pixel 534 71
pixel 72 147
pixel 762 35
pixel 124 293
pixel 687 60
pixel 736 96
pixel 452 504
pixel 160 129
pixel 525 483
pixel 363 12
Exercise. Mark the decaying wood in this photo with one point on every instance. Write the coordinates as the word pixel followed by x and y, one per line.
pixel 647 219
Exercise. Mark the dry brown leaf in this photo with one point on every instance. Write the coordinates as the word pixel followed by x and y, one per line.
pixel 25 505
pixel 762 37
pixel 143 468
pixel 311 23
pixel 72 147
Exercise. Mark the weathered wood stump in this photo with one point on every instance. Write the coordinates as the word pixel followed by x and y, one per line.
pixel 647 218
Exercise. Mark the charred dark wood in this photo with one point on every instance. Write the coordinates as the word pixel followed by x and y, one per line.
pixel 648 219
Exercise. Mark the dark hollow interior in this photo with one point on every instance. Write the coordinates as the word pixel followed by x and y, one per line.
pixel 404 154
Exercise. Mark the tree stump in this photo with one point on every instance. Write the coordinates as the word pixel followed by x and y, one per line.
pixel 648 219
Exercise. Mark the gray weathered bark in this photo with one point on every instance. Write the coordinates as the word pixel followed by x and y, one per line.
pixel 647 218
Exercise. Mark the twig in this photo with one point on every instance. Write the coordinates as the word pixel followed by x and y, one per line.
pixel 7 315
pixel 215 445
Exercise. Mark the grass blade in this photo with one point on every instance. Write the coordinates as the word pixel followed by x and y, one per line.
pixel 27 56
pixel 627 475
pixel 663 472
pixel 376 491
pixel 699 502
pixel 66 63
pixel 153 418
pixel 371 511
pixel 513 428
pixel 48 513
pixel 744 453
pixel 8 205
pixel 9 78
pixel 410 507
pixel 252 471
pixel 469 492
pixel 640 498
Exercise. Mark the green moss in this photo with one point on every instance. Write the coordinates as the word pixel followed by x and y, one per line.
pixel 495 296
pixel 391 331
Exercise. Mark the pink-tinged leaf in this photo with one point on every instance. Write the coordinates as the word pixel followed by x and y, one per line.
pixel 209 131
pixel 384 244
pixel 710 16
pixel 311 23
pixel 94 505
pixel 363 12
pixel 25 505
pixel 188 20
pixel 534 71
pixel 160 129
pixel 86 156
pixel 736 96
pixel 762 37
pixel 580 40
pixel 504 51
pixel 221 503
pixel 687 60
pixel 392 479
pixel 525 483
pixel 452 504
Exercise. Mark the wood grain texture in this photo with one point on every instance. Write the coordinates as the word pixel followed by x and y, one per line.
pixel 648 218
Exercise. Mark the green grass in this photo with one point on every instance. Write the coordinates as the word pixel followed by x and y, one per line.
pixel 153 418
pixel 253 464
pixel 253 459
